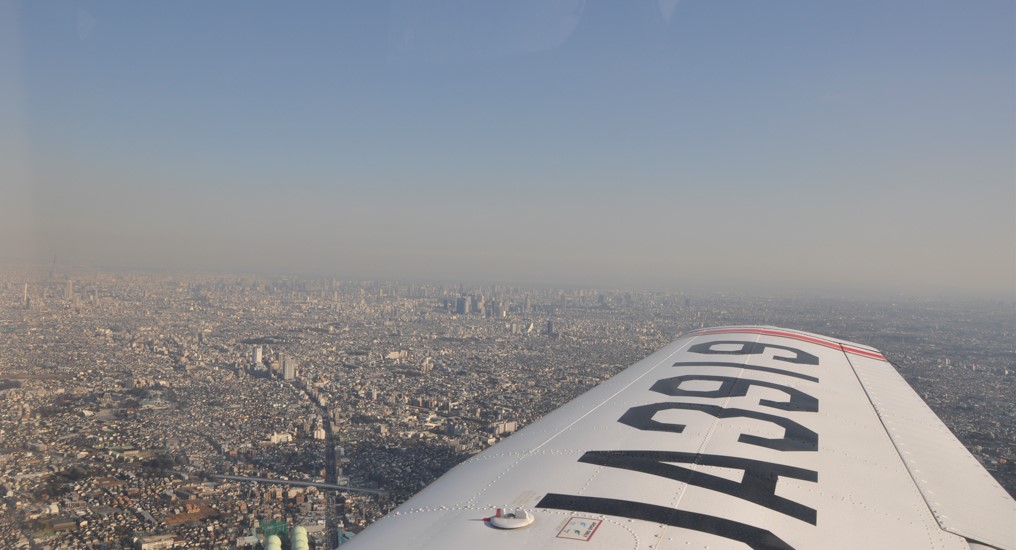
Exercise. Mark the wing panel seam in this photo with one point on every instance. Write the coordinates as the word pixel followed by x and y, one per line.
pixel 676 502
pixel 892 441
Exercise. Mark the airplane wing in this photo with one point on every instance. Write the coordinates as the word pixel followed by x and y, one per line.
pixel 733 437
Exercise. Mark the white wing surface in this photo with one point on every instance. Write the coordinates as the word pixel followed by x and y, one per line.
pixel 734 437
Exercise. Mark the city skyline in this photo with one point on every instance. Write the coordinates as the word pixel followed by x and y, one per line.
pixel 657 143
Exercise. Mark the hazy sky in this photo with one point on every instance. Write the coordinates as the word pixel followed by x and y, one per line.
pixel 854 142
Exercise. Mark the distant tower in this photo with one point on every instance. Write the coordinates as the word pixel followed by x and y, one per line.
pixel 288 369
pixel 550 328
pixel 69 291
pixel 27 301
pixel 257 355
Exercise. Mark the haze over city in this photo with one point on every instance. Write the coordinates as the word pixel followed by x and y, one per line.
pixel 268 270
pixel 856 144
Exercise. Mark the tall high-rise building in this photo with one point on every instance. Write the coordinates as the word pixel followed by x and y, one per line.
pixel 288 368
pixel 27 300
pixel 69 291
pixel 257 357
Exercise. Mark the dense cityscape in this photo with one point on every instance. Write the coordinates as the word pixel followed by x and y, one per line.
pixel 213 411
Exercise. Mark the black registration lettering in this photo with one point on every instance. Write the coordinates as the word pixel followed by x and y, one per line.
pixel 758 484
pixel 770 370
pixel 736 387
pixel 796 436
pixel 754 348
pixel 759 479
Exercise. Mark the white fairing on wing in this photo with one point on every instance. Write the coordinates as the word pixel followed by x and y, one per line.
pixel 736 437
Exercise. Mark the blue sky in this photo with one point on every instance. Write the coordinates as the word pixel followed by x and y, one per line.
pixel 855 143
